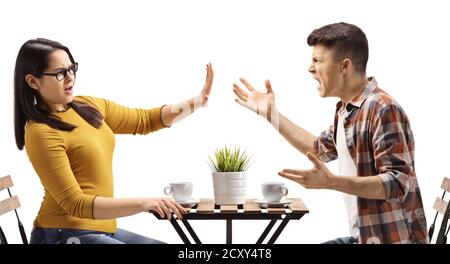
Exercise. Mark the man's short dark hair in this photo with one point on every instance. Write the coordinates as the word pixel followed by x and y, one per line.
pixel 345 40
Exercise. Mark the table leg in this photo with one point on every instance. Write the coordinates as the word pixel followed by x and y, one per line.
pixel 266 231
pixel 180 231
pixel 191 231
pixel 279 230
pixel 229 231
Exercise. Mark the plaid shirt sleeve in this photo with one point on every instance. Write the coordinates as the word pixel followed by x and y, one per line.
pixel 392 143
pixel 325 147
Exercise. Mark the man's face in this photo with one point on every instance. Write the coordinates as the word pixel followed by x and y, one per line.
pixel 326 71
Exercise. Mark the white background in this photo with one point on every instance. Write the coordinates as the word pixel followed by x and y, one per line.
pixel 149 53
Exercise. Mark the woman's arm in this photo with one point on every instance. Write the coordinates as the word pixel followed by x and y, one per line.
pixel 110 208
pixel 46 150
pixel 171 114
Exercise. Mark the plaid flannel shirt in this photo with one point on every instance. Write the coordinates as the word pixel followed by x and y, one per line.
pixel 380 142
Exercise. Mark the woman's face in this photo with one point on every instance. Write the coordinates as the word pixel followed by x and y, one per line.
pixel 56 94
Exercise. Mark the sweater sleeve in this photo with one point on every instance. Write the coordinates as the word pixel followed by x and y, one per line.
pixel 46 150
pixel 126 120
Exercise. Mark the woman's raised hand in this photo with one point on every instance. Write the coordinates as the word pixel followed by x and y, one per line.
pixel 206 91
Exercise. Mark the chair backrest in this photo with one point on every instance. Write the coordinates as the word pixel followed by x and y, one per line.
pixel 441 206
pixel 9 204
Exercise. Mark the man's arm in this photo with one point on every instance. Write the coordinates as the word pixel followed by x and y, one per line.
pixel 295 135
pixel 319 177
pixel 369 187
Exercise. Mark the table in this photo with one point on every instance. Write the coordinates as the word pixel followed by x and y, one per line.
pixel 207 210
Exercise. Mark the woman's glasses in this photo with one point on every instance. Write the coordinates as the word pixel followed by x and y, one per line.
pixel 62 74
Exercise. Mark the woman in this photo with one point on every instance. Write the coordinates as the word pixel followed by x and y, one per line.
pixel 70 141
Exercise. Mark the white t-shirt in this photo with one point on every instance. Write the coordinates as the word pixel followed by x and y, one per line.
pixel 347 167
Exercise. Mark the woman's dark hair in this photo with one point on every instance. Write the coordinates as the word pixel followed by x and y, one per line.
pixel 345 40
pixel 33 59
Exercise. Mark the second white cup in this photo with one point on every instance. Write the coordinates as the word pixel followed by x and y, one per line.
pixel 273 191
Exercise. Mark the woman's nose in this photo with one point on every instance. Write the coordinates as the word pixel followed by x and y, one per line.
pixel 70 77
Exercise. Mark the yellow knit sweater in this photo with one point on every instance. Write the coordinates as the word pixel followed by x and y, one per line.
pixel 75 166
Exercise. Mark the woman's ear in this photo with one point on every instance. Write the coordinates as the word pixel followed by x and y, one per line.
pixel 32 81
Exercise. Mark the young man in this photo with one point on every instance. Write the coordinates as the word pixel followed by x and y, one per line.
pixel 371 137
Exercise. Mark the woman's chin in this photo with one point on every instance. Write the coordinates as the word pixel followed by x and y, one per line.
pixel 69 98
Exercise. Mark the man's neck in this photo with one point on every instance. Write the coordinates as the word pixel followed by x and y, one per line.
pixel 353 87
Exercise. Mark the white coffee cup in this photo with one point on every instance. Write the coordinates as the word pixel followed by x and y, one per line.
pixel 273 191
pixel 180 191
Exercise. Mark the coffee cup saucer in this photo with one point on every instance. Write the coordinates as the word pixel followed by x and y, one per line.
pixel 189 202
pixel 279 204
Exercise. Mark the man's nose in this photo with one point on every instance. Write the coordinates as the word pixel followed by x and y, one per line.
pixel 311 68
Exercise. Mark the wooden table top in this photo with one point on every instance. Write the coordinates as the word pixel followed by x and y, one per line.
pixel 206 209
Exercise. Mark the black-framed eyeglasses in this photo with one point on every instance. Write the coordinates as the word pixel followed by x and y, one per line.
pixel 62 74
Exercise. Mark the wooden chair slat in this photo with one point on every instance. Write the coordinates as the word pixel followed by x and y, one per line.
pixel 9 204
pixel 446 184
pixel 5 182
pixel 440 205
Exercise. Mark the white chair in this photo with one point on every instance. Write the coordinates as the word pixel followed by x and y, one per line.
pixel 7 205
pixel 441 206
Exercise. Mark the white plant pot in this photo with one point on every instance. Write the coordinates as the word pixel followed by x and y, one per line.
pixel 229 187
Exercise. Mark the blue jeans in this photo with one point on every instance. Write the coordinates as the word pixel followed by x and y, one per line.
pixel 343 240
pixel 76 236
